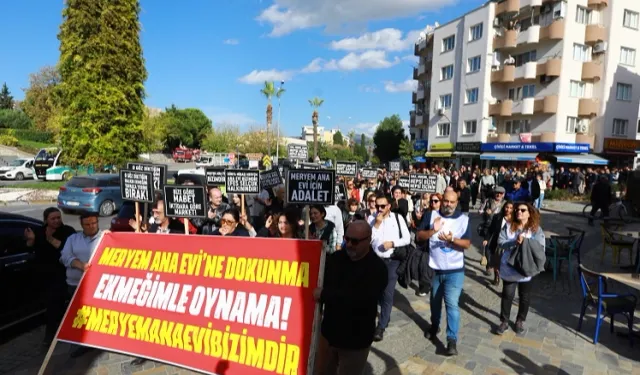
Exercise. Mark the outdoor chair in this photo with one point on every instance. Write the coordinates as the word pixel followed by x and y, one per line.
pixel 617 244
pixel 578 249
pixel 561 248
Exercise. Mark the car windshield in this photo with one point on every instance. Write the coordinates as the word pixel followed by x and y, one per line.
pixel 17 163
pixel 83 182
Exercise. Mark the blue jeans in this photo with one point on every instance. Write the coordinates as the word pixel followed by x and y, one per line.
pixel 538 202
pixel 447 286
pixel 386 300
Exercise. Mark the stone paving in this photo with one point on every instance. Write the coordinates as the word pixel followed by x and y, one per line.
pixel 550 345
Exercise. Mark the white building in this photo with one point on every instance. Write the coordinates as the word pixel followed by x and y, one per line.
pixel 323 135
pixel 516 78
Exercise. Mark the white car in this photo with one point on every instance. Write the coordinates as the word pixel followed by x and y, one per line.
pixel 18 169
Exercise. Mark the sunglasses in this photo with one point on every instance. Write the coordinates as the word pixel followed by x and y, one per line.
pixel 381 206
pixel 523 210
pixel 355 241
pixel 227 222
pixel 435 201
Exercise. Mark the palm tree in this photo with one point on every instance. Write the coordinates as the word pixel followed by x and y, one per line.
pixel 269 91
pixel 315 103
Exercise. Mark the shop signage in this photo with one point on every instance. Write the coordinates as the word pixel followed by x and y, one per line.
pixel 442 147
pixel 468 146
pixel 420 145
pixel 535 147
pixel 572 147
pixel 617 144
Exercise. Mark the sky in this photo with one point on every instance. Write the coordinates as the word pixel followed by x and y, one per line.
pixel 215 55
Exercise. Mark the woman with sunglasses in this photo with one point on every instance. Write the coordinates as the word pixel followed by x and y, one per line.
pixel 230 225
pixel 492 253
pixel 525 231
pixel 371 206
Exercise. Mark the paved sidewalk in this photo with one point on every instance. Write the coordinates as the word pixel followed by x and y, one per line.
pixel 550 345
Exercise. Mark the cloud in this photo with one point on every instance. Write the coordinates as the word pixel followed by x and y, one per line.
pixel 352 61
pixel 231 42
pixel 411 58
pixel 386 39
pixel 224 116
pixel 369 128
pixel 287 16
pixel 314 66
pixel 260 76
pixel 406 86
pixel 367 88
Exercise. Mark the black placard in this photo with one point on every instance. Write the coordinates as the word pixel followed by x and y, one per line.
pixel 404 182
pixel 136 186
pixel 185 201
pixel 395 166
pixel 347 168
pixel 369 173
pixel 242 181
pixel 215 176
pixel 299 152
pixel 422 183
pixel 311 186
pixel 341 193
pixel 270 179
pixel 159 172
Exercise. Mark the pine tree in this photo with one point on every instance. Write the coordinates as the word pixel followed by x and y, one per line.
pixel 6 100
pixel 102 89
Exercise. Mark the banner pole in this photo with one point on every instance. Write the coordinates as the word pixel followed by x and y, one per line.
pixel 242 205
pixel 137 217
pixel 145 221
pixel 317 320
pixel 306 223
pixel 186 225
pixel 47 358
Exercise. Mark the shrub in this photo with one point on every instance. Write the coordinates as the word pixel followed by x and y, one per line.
pixel 29 135
pixel 13 119
pixel 560 195
pixel 8 140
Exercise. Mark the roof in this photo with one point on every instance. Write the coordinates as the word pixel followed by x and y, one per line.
pixel 6 216
pixel 99 176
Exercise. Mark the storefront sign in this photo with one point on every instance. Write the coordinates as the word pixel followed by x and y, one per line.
pixel 442 147
pixel 572 147
pixel 621 145
pixel 420 145
pixel 535 147
pixel 468 146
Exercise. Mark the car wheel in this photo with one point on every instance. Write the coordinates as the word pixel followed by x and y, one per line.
pixel 107 208
pixel 19 176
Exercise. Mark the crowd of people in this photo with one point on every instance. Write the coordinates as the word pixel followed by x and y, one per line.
pixel 381 236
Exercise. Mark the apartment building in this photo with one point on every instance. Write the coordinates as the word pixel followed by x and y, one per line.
pixel 516 79
pixel 324 135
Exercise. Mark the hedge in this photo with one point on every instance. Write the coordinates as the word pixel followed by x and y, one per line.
pixel 29 135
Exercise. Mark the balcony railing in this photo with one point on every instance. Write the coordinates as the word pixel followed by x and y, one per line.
pixel 595 34
pixel 555 31
pixel 588 107
pixel 509 39
pixel 591 71
pixel 508 7
pixel 597 3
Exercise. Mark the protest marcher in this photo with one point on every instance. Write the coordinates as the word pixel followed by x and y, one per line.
pixel 321 229
pixel 492 252
pixel 161 222
pixel 230 225
pixel 216 208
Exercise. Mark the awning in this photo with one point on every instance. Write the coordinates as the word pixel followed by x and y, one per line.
pixel 466 153
pixel 439 154
pixel 581 159
pixel 509 156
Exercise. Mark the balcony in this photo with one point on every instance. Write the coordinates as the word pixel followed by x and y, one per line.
pixel 503 108
pixel 597 3
pixel 412 119
pixel 420 93
pixel 530 3
pixel 506 74
pixel 555 31
pixel 547 105
pixel 527 71
pixel 508 40
pixel 498 138
pixel 591 71
pixel 508 7
pixel 421 46
pixel 422 69
pixel 586 138
pixel 588 107
pixel 524 106
pixel 415 73
pixel 414 97
pixel 419 119
pixel 595 34
pixel 529 36
pixel 551 68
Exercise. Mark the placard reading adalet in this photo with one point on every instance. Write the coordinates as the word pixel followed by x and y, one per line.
pixel 422 183
pixel 369 173
pixel 242 181
pixel 136 186
pixel 347 168
pixel 307 186
pixel 159 172
pixel 215 176
pixel 185 201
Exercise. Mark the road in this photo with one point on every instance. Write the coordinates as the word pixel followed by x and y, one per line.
pixel 35 211
pixel 549 346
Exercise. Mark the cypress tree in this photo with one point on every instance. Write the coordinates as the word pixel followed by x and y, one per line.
pixel 102 90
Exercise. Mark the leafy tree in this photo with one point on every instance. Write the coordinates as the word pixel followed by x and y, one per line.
pixel 188 127
pixel 315 103
pixel 102 81
pixel 338 139
pixel 39 101
pixel 225 139
pixel 407 151
pixel 352 138
pixel 363 140
pixel 6 100
pixel 269 91
pixel 154 132
pixel 387 138
pixel 12 119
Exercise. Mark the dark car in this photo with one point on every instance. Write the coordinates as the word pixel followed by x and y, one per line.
pixel 22 295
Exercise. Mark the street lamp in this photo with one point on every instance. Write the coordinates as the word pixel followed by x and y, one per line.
pixel 278 130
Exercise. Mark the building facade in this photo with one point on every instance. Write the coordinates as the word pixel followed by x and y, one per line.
pixel 325 136
pixel 516 78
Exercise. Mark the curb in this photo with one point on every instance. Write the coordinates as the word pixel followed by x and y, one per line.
pixel 39 201
pixel 576 214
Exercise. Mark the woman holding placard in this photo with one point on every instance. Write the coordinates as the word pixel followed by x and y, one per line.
pixel 229 225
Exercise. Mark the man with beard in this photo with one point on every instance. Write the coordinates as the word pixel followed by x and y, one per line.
pixel 449 236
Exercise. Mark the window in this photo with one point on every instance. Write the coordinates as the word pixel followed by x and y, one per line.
pixel 519 93
pixel 627 56
pixel 473 64
pixel 526 23
pixel 630 19
pixel 446 73
pixel 623 92
pixel 620 126
pixel 413 138
pixel 448 43
pixel 583 15
pixel 517 126
pixel 581 52
pixel 444 129
pixel 577 89
pixel 445 101
pixel 472 96
pixel 572 123
pixel 526 57
pixel 469 127
pixel 475 32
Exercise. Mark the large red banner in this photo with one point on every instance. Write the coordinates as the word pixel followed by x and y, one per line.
pixel 212 304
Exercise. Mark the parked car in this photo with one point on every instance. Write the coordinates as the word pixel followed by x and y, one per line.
pixel 18 169
pixel 95 193
pixel 21 292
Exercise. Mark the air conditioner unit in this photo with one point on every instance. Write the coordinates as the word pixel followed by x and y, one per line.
pixel 441 111
pixel 600 47
pixel 546 8
pixel 496 60
pixel 581 128
pixel 497 22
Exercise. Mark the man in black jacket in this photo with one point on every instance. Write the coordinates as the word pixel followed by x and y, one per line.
pixel 353 284
pixel 600 198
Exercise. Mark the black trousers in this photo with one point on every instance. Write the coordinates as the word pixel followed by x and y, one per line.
pixel 57 300
pixel 595 207
pixel 508 292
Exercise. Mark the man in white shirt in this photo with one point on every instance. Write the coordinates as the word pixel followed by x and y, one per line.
pixel 334 215
pixel 386 228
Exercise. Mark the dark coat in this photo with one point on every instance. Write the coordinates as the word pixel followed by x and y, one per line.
pixel 415 267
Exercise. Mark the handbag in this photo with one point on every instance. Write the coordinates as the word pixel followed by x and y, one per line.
pixel 400 253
